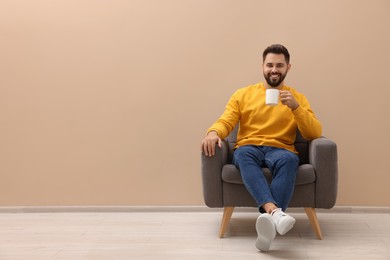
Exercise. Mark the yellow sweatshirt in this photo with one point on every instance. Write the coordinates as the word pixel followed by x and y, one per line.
pixel 260 124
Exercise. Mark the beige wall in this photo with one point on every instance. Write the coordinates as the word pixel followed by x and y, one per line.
pixel 105 102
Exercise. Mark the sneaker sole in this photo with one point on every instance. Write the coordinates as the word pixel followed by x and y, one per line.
pixel 266 232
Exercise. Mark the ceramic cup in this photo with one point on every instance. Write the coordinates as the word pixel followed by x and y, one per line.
pixel 271 97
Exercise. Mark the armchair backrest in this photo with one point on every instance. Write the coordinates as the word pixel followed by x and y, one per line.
pixel 301 145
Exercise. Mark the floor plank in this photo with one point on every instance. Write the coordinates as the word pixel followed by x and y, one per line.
pixel 186 235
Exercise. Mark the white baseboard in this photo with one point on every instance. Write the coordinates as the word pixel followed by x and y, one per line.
pixel 48 209
pixel 64 209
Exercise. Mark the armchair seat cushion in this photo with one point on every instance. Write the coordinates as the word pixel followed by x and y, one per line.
pixel 305 174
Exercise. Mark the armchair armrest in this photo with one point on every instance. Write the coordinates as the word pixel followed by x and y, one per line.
pixel 211 175
pixel 323 157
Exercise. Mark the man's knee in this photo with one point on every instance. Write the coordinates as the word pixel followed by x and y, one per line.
pixel 282 158
pixel 290 158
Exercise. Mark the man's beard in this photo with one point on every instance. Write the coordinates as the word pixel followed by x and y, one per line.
pixel 277 82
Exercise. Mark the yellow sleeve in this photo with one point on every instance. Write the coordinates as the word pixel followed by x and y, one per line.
pixel 309 126
pixel 228 120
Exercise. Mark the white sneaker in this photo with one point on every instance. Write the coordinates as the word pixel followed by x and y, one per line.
pixel 266 232
pixel 283 221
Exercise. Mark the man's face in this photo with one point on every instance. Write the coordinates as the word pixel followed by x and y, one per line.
pixel 275 69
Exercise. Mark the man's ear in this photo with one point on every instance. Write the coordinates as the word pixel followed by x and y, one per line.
pixel 288 67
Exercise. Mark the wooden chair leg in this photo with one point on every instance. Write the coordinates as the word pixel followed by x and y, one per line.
pixel 227 214
pixel 311 214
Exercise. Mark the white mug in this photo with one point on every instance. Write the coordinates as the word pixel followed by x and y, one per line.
pixel 272 97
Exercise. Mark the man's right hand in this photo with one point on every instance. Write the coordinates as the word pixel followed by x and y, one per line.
pixel 208 143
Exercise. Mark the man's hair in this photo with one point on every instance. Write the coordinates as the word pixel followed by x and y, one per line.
pixel 277 49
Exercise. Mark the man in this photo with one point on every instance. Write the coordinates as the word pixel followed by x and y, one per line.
pixel 266 139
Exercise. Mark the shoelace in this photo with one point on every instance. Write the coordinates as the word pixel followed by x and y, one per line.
pixel 276 210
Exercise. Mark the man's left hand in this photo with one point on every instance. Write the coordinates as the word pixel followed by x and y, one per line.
pixel 287 98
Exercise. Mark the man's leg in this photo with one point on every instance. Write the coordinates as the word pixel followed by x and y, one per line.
pixel 283 165
pixel 248 159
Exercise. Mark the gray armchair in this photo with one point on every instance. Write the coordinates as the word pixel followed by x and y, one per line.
pixel 315 187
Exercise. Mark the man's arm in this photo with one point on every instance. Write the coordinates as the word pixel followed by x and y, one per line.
pixel 221 128
pixel 309 126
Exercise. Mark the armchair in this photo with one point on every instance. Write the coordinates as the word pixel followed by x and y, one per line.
pixel 315 186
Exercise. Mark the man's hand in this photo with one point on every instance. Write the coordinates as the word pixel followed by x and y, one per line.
pixel 287 98
pixel 208 143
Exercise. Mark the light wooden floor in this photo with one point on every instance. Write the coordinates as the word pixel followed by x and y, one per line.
pixel 187 235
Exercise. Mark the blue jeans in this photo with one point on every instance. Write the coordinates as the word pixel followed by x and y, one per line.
pixel 283 164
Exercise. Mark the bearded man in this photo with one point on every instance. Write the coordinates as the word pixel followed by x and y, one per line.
pixel 266 138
